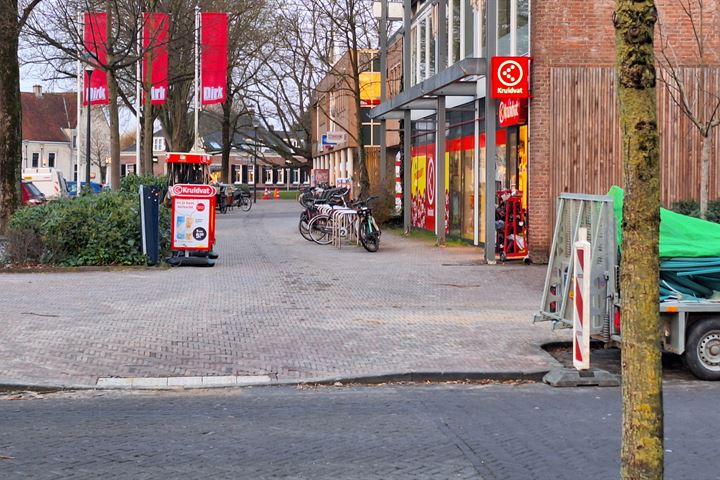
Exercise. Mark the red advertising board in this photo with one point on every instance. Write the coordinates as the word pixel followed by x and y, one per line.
pixel 213 57
pixel 193 217
pixel 510 77
pixel 95 41
pixel 155 45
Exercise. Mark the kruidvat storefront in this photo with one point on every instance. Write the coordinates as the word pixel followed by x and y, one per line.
pixel 462 139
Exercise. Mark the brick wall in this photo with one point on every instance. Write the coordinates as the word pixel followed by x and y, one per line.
pixel 575 33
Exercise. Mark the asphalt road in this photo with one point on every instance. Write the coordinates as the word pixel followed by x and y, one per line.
pixel 501 432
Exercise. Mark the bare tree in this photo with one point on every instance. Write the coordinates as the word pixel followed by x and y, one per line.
pixel 642 431
pixel 12 20
pixel 100 146
pixel 688 87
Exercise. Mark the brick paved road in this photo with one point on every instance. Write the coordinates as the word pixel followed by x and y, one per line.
pixel 395 432
pixel 276 304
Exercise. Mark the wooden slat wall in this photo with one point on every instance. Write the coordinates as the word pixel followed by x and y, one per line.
pixel 585 154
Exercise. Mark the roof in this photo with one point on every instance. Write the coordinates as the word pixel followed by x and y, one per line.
pixel 45 116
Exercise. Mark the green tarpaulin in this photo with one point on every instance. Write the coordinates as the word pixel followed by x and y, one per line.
pixel 680 235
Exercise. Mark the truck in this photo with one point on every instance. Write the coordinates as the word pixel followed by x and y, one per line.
pixel 690 325
pixel 49 181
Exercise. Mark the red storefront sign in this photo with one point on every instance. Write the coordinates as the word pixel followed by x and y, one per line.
pixel 512 111
pixel 510 77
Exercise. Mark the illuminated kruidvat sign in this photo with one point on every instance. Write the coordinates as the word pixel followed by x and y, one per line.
pixel 512 111
pixel 188 190
pixel 510 77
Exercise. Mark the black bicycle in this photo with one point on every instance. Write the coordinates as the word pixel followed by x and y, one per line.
pixel 368 230
pixel 242 199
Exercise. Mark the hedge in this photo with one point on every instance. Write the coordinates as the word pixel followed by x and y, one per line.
pixel 100 229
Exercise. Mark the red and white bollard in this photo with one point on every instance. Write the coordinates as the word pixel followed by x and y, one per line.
pixel 581 317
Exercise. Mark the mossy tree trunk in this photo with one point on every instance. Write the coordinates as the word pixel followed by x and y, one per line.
pixel 642 430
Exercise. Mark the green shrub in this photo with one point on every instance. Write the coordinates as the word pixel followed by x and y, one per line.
pixel 686 207
pixel 713 211
pixel 102 229
pixel 131 183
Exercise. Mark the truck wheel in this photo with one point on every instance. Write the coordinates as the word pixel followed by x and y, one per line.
pixel 702 350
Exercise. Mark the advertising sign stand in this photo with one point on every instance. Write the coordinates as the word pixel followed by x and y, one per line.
pixel 193 210
pixel 150 222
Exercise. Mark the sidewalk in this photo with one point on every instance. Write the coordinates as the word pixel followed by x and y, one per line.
pixel 276 305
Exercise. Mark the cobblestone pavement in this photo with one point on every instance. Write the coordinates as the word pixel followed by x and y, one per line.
pixel 279 305
pixel 395 432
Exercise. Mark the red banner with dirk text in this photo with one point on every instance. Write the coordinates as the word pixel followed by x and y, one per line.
pixel 213 57
pixel 155 60
pixel 95 40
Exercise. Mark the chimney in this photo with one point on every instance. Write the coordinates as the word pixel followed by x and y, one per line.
pixel 37 90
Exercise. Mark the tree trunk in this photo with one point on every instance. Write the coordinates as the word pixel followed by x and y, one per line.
pixel 642 432
pixel 705 174
pixel 226 139
pixel 364 180
pixel 10 113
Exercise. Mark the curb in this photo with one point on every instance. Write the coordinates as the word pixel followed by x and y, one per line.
pixel 405 377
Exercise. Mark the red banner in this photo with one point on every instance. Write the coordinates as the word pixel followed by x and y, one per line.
pixel 155 38
pixel 213 57
pixel 95 39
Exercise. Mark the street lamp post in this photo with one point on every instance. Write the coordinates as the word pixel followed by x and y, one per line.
pixel 89 70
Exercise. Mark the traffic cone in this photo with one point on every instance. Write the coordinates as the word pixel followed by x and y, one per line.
pixel 276 194
pixel 266 195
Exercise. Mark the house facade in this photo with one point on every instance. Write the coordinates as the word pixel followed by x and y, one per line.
pixel 564 138
pixel 51 137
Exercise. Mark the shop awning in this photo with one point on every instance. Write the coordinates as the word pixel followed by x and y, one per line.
pixel 452 81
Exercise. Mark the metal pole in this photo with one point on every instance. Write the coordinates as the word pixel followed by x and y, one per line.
pixel 383 88
pixel 196 146
pixel 441 59
pixel 87 139
pixel 78 106
pixel 255 171
pixel 407 124
pixel 138 72
pixel 490 147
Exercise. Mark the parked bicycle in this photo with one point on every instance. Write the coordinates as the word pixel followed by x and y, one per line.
pixel 331 197
pixel 333 224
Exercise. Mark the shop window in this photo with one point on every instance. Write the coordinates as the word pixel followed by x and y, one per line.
pixel 35 160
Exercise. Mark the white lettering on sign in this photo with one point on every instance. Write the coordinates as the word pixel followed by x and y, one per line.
pixel 508 109
pixel 158 93
pixel 511 91
pixel 213 93
pixel 96 94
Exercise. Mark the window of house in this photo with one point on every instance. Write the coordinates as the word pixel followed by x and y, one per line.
pixel 371 133
pixel 35 160
pixel 75 172
pixel 74 141
pixel 268 175
pixel 250 174
pixel 305 177
pixel 51 160
pixel 296 176
pixel 158 144
pixel 281 176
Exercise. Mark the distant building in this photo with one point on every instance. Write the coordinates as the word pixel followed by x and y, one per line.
pixel 50 133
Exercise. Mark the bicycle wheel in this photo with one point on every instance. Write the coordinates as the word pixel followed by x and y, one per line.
pixel 321 229
pixel 245 203
pixel 369 237
pixel 303 226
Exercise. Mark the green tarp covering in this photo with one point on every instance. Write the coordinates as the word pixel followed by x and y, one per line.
pixel 680 235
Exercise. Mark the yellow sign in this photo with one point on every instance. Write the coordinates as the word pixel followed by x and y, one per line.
pixel 369 88
pixel 417 184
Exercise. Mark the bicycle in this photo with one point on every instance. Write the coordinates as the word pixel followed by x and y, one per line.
pixel 333 196
pixel 368 230
pixel 242 200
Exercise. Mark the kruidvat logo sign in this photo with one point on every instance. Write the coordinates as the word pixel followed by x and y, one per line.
pixel 193 191
pixel 512 112
pixel 511 77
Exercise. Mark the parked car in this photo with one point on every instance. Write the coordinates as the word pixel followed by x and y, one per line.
pixel 49 181
pixel 72 187
pixel 31 195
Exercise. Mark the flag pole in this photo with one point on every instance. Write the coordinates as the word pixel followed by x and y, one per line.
pixel 138 73
pixel 196 145
pixel 78 102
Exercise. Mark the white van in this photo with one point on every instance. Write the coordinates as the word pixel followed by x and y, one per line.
pixel 49 181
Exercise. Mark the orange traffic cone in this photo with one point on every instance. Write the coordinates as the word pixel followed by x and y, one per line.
pixel 276 194
pixel 266 195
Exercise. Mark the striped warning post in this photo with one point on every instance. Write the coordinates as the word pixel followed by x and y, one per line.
pixel 581 317
pixel 398 184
